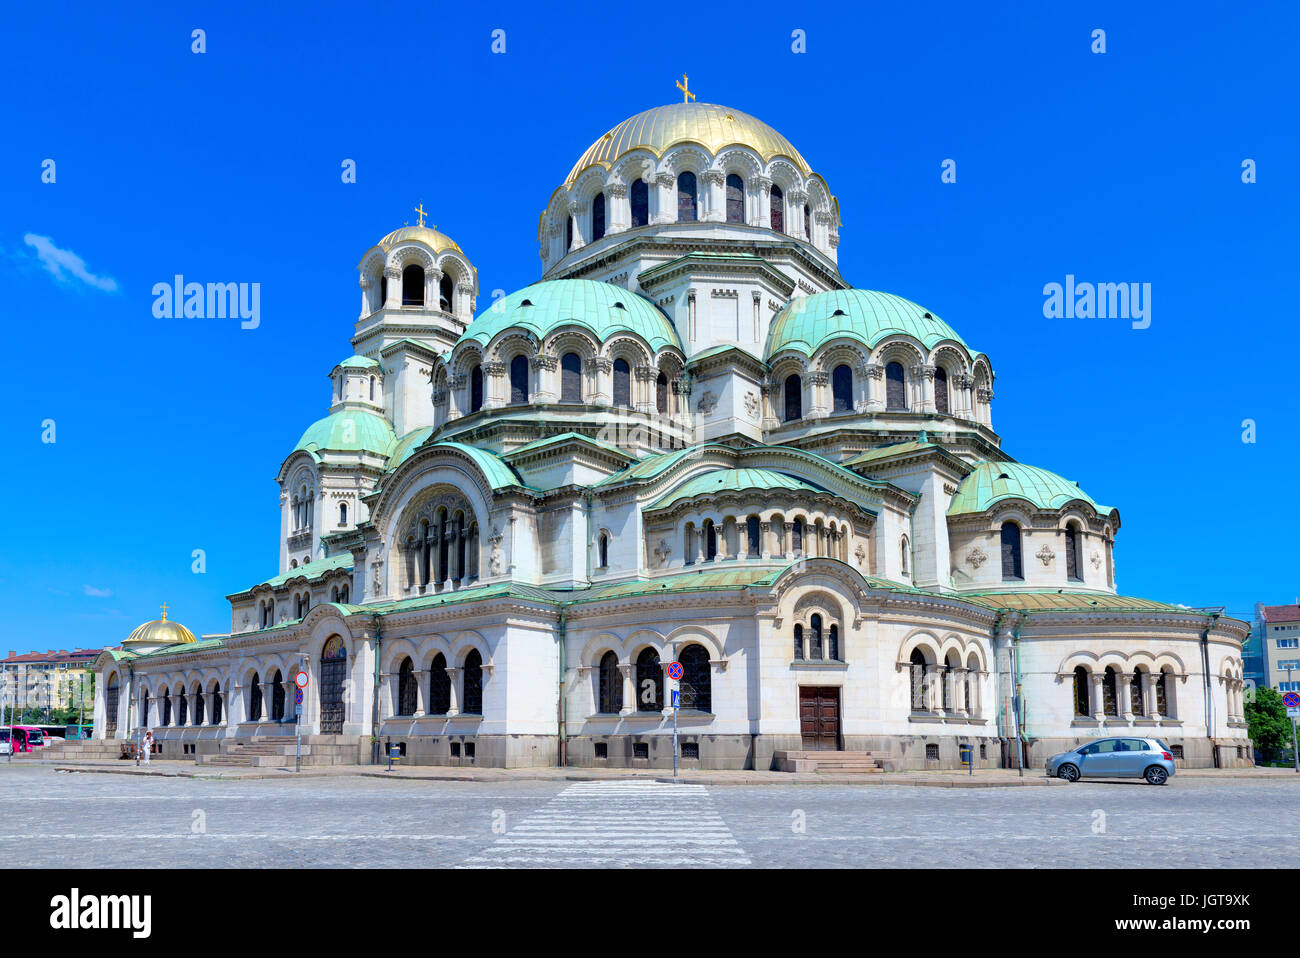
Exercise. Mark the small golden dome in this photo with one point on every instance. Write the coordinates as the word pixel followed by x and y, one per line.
pixel 708 124
pixel 420 234
pixel 159 632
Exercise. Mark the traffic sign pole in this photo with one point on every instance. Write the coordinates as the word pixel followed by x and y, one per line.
pixel 300 680
pixel 1292 702
pixel 675 673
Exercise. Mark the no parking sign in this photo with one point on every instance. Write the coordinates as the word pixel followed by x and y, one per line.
pixel 1292 702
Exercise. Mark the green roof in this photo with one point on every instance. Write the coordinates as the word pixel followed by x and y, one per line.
pixel 498 474
pixel 600 308
pixel 734 480
pixel 184 648
pixel 808 322
pixel 359 362
pixel 649 467
pixel 406 445
pixel 348 430
pixel 312 570
pixel 568 437
pixel 992 482
pixel 1053 601
pixel 891 451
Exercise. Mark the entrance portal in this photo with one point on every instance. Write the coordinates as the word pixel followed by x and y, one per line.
pixel 819 717
pixel 333 670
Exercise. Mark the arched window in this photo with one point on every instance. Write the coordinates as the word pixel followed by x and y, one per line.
pixel 473 699
pixel 778 209
pixel 1011 567
pixel 277 697
pixel 166 707
pixel 383 291
pixel 110 702
pixel 815 637
pixel 941 390
pixel 842 388
pixel 568 233
pixel 688 545
pixel 254 699
pixel 920 694
pixel 1073 565
pixel 570 378
pixel 1162 694
pixel 640 196
pixel 710 540
pixel 735 199
pixel 413 286
pixel 686 197
pixel 439 686
pixel 182 707
pixel 372 388
pixel 446 294
pixel 519 380
pixel 661 394
pixel 622 384
pixel 476 389
pixel 696 683
pixel 833 642
pixel 598 217
pixel 753 543
pixel 344 593
pixel 796 536
pixel 807 223
pixel 144 708
pixel 793 389
pixel 198 705
pixel 1110 701
pixel 611 685
pixel 216 704
pixel 904 548
pixel 649 682
pixel 895 388
pixel 604 550
pixel 343 513
pixel 1137 694
pixel 406 688
pixel 798 641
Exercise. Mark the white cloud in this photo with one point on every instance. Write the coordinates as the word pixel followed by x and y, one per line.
pixel 63 263
pixel 97 593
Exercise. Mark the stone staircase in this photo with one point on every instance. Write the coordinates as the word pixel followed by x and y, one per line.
pixel 94 749
pixel 279 752
pixel 827 761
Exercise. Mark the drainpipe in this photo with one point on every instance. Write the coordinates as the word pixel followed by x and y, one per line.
pixel 374 730
pixel 1209 696
pixel 1015 668
pixel 563 731
pixel 997 674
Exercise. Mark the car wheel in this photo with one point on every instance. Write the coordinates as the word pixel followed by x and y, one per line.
pixel 1156 775
pixel 1068 772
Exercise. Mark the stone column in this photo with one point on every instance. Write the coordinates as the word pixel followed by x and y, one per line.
pixel 366 284
pixel 817 381
pixel 494 384
pixel 1123 691
pixel 1097 700
pixel 764 187
pixel 1149 695
pixel 602 370
pixel 577 212
pixel 432 281
pixel 794 203
pixel 716 208
pixel 454 676
pixel 664 199
pixel 875 391
pixel 787 541
pixel 394 298
pixel 934 679
pixel 456 398
pixel 629 689
pixel 923 376
pixel 618 210
pixel 765 540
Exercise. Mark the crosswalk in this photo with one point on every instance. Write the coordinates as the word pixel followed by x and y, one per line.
pixel 625 824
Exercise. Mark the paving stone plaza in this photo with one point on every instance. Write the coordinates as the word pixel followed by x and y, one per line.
pixel 90 820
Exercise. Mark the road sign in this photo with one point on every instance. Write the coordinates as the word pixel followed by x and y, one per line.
pixel 1291 700
pixel 297 696
pixel 297 709
pixel 300 680
pixel 674 670
pixel 676 700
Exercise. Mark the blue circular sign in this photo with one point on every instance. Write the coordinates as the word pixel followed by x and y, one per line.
pixel 675 670
pixel 1291 700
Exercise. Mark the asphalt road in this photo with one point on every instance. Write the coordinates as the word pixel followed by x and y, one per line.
pixel 55 819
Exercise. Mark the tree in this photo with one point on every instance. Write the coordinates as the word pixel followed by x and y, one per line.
pixel 1266 719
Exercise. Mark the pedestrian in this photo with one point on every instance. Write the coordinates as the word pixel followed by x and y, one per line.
pixel 148 744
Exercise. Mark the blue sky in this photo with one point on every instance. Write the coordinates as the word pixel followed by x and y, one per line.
pixel 225 166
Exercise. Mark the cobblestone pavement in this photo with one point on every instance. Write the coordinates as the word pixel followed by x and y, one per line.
pixel 56 819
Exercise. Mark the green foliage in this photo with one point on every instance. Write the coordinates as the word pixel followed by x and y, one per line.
pixel 1270 729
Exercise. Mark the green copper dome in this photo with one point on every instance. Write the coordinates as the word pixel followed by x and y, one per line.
pixel 991 482
pixel 348 430
pixel 600 308
pixel 359 362
pixel 808 322
pixel 734 480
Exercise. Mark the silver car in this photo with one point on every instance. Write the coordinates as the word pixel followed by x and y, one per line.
pixel 1147 758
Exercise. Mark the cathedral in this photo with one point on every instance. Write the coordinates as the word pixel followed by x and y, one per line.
pixel 692 441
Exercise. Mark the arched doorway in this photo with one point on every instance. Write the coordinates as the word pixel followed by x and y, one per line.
pixel 333 670
pixel 110 705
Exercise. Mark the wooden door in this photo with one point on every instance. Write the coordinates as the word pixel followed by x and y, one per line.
pixel 819 717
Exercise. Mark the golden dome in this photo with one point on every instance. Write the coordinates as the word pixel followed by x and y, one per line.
pixel 708 124
pixel 160 632
pixel 420 234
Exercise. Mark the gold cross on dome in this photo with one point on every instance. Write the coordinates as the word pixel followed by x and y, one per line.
pixel 420 209
pixel 686 94
pixel 164 611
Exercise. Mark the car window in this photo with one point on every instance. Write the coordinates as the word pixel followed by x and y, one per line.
pixel 1109 745
pixel 1088 750
pixel 1136 745
pixel 1163 746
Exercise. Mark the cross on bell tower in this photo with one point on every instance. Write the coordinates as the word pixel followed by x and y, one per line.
pixel 687 95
